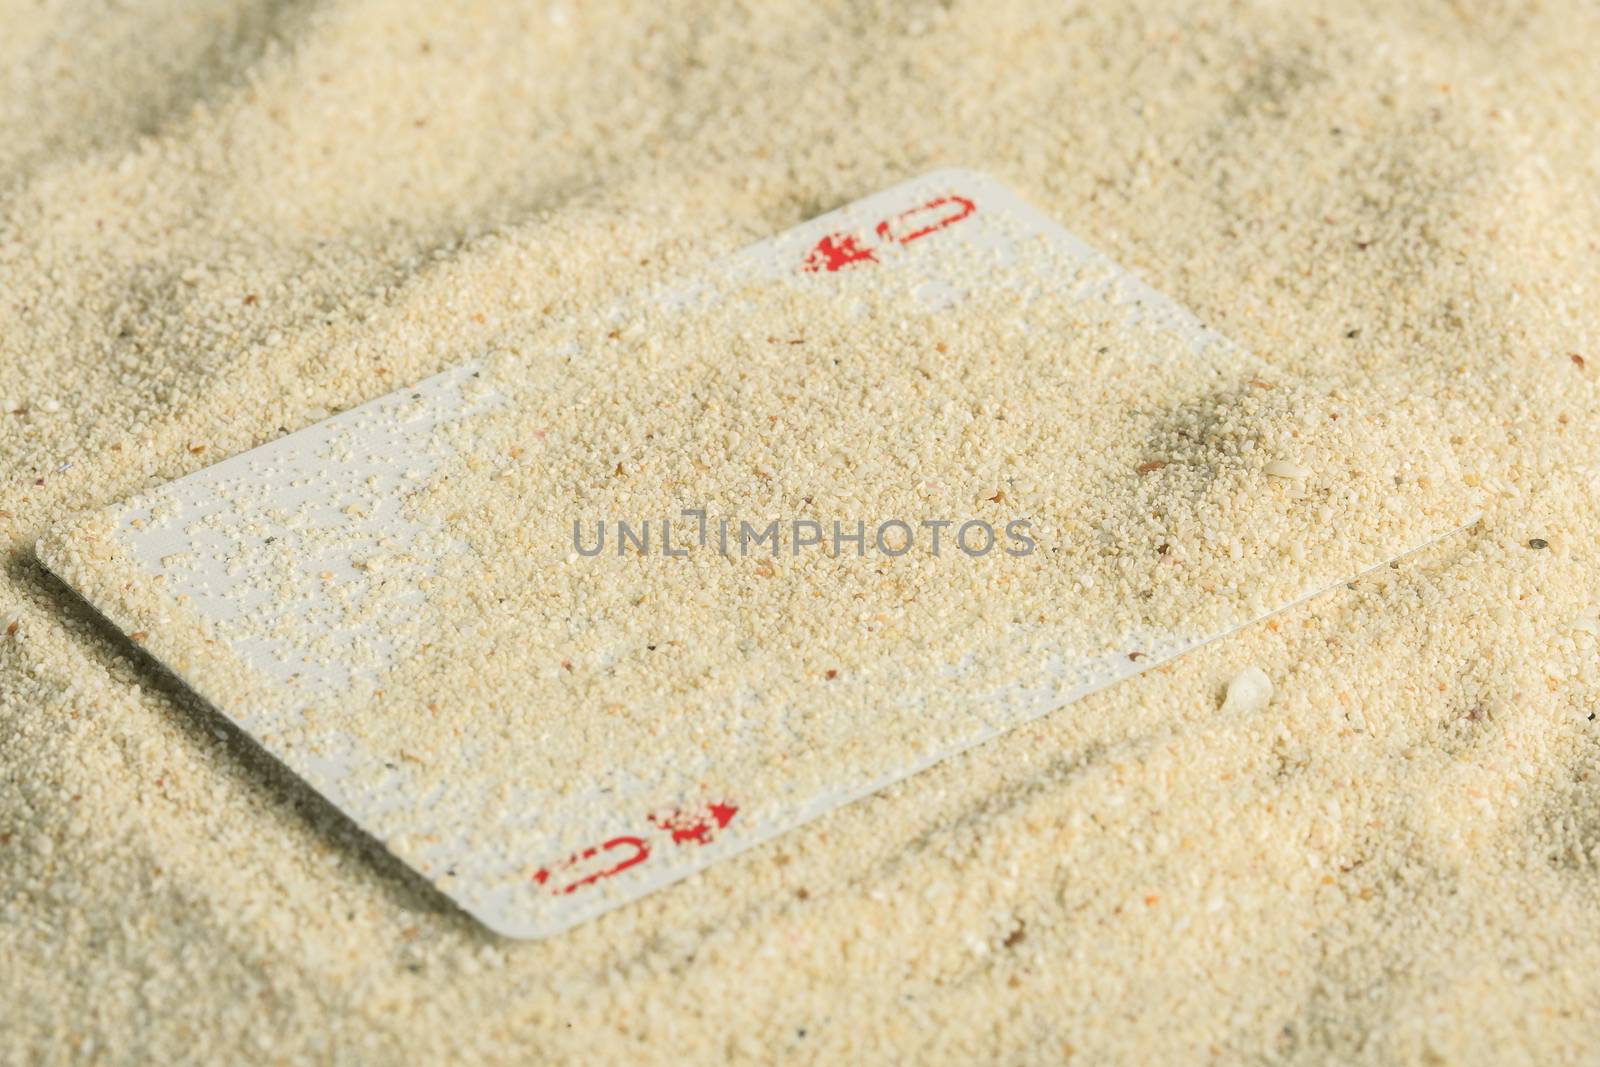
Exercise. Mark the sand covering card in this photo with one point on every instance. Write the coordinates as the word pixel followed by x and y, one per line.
pixel 573 622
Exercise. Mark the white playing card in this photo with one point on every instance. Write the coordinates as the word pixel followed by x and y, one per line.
pixel 301 587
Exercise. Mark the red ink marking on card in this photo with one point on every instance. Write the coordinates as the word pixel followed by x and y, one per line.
pixel 935 215
pixel 641 852
pixel 696 826
pixel 838 250
pixel 835 252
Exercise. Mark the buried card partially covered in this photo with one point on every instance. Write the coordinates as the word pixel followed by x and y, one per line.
pixel 570 623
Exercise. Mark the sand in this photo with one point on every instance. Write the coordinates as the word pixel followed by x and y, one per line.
pixel 218 227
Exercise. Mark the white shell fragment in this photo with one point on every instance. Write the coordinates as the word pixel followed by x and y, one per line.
pixel 1282 468
pixel 1248 691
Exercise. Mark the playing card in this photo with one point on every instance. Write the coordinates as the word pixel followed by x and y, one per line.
pixel 572 622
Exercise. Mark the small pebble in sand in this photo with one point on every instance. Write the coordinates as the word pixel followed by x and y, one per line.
pixel 1248 691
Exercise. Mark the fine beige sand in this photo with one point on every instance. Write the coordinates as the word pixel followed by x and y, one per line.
pixel 221 223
